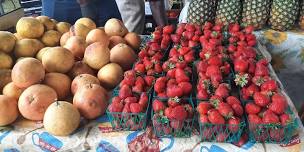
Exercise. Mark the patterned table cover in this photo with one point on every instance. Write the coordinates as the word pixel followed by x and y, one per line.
pixel 287 50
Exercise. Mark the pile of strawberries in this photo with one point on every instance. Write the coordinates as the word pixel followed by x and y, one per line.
pixel 220 118
pixel 171 117
pixel 187 35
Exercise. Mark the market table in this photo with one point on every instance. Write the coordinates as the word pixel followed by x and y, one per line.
pixel 288 57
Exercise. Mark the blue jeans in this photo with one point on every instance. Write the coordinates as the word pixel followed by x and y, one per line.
pixel 70 11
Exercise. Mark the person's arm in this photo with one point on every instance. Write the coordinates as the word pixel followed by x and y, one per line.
pixel 159 12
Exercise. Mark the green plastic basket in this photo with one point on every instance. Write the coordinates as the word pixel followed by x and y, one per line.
pixel 273 133
pixel 164 129
pixel 212 132
pixel 129 121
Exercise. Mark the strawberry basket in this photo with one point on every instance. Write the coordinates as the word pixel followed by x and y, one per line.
pixel 221 132
pixel 273 133
pixel 166 125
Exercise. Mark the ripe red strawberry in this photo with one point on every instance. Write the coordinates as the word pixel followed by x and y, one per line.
pixel 186 86
pixel 189 110
pixel 181 76
pixel 140 68
pixel 171 73
pixel 125 91
pixel 212 70
pixel 189 57
pixel 241 65
pixel 183 50
pixel 252 89
pixel 261 99
pixel 215 100
pixel 279 104
pixel 169 112
pixel 126 108
pixel 261 70
pixel 160 86
pixel 151 72
pixel 252 108
pixel 142 54
pixel 221 137
pixel 222 90
pixel 140 81
pixel 233 124
pixel 238 110
pixel 234 28
pixel 203 119
pixel 173 102
pixel 179 113
pixel 231 48
pixel 215 60
pixel 138 88
pixel 136 108
pixel 190 27
pixel 202 94
pixel 158 68
pixel 129 80
pixel 168 29
pixel 149 80
pixel 215 117
pixel 203 108
pixel 176 124
pixel 249 29
pixel 269 85
pixel 158 106
pixel 270 118
pixel 225 110
pixel 116 99
pixel 143 100
pixel 174 91
pixel 254 119
pixel 243 140
pixel 175 38
pixel 130 100
pixel 233 100
pixel 171 82
pixel 285 119
pixel 116 107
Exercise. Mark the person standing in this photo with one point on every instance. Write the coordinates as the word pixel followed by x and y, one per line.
pixel 133 13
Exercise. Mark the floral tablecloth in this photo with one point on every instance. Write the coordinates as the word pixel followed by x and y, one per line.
pixel 287 50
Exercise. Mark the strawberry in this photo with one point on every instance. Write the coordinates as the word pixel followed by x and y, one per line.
pixel 168 29
pixel 233 124
pixel 116 107
pixel 221 137
pixel 176 124
pixel 252 89
pixel 201 66
pixel 215 60
pixel 125 91
pixel 138 88
pixel 143 100
pixel 116 99
pixel 188 35
pixel 258 80
pixel 189 57
pixel 243 140
pixel 269 85
pixel 251 43
pixel 158 68
pixel 179 30
pixel 171 73
pixel 142 54
pixel 241 65
pixel 183 50
pixel 261 70
pixel 187 87
pixel 212 70
pixel 285 119
pixel 169 113
pixel 181 76
pixel 173 102
pixel 208 25
pixel 279 104
pixel 174 91
pixel 130 100
pixel 238 109
pixel 158 106
pixel 190 27
pixel 203 108
pixel 196 37
pixel 252 108
pixel 140 68
pixel 171 82
pixel 129 80
pixel 261 99
pixel 231 48
pixel 126 108
pixel 140 81
pixel 136 108
pixel 160 85
pixel 151 72
pixel 222 90
pixel 215 100
pixel 149 80
pixel 254 119
pixel 179 113
pixel 233 100
pixel 249 29
pixel 270 118
pixel 234 28
pixel 203 119
pixel 215 117
pixel 175 38
pixel 202 94
pixel 225 110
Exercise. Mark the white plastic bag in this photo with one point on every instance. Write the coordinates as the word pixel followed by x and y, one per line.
pixel 184 12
